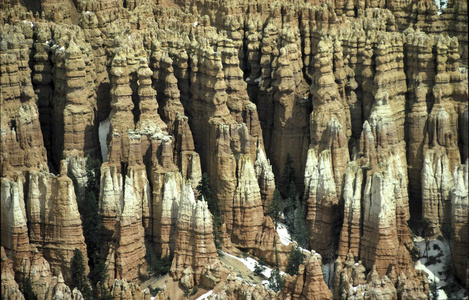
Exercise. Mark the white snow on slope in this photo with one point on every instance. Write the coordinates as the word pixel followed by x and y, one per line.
pixel 251 263
pixel 205 296
pixel 283 233
pixel 438 255
pixel 103 132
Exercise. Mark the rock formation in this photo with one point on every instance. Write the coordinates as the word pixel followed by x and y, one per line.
pixel 308 284
pixel 459 208
pixel 368 98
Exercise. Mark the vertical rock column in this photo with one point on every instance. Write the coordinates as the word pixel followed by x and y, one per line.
pixel 460 222
pixel 56 226
pixel 80 132
pixel 328 153
pixel 121 116
pixel 21 136
pixel 14 233
pixel 42 79
pixel 195 247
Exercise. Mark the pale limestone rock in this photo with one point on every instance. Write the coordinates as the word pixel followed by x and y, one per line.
pixel 10 288
pixel 247 205
pixel 322 203
pixel 436 186
pixel 265 177
pixel 194 246
pixel 460 221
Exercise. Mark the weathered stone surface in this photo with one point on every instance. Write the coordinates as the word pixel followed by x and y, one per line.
pixel 309 283
pixel 22 145
pixel 459 221
pixel 265 178
pixel 56 227
pixel 238 86
pixel 10 289
pixel 237 289
pixel 194 243
pixel 15 240
pixel 436 186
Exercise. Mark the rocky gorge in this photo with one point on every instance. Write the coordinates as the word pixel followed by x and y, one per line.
pixel 153 137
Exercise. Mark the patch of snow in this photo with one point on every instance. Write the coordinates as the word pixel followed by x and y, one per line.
pixel 438 253
pixel 87 12
pixel 103 132
pixel 152 298
pixel 62 48
pixel 248 79
pixel 205 296
pixel 251 263
pixel 258 80
pixel 431 276
pixel 195 24
pixel 441 4
pixel 283 233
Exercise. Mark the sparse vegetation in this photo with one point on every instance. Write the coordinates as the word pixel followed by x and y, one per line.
pixel 92 227
pixel 79 279
pixel 275 207
pixel 295 259
pixel 275 280
pixel 204 191
pixel 194 291
pixel 294 209
pixel 26 288
pixel 156 266
pixel 258 269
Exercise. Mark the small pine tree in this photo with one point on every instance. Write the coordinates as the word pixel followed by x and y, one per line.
pixel 206 193
pixel 295 259
pixel 288 174
pixel 275 280
pixel 299 226
pixel 275 207
pixel 258 269
pixel 79 280
pixel 27 288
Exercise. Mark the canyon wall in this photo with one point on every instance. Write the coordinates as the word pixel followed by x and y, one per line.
pixel 121 107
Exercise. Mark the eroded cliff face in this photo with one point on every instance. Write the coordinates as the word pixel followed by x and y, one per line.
pixel 368 98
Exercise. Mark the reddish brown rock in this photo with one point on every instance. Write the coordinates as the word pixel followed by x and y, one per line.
pixel 22 145
pixel 247 205
pixel 309 283
pixel 53 213
pixel 15 240
pixel 194 243
pixel 10 289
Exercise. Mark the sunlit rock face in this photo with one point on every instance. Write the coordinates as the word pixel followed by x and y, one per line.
pixel 368 98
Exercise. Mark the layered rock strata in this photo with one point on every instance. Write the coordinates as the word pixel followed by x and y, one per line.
pixel 382 85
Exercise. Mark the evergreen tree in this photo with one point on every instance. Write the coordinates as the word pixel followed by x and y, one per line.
pixel 275 280
pixel 204 191
pixel 27 288
pixel 295 259
pixel 92 223
pixel 288 174
pixel 299 223
pixel 79 280
pixel 275 207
